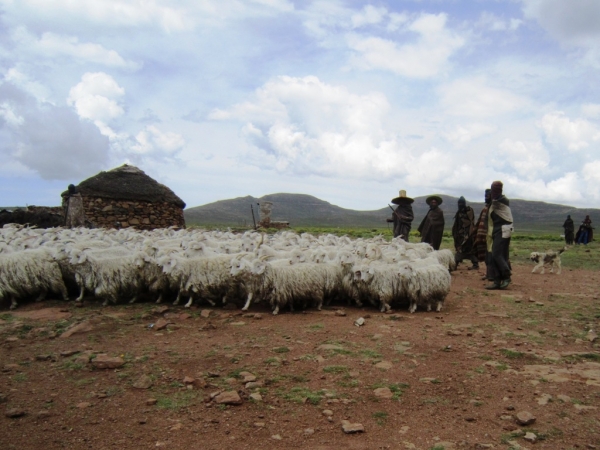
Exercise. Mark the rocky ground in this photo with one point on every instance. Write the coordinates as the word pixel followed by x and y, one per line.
pixel 518 368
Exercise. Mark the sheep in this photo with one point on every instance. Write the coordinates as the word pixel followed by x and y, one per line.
pixel 30 272
pixel 446 259
pixel 427 282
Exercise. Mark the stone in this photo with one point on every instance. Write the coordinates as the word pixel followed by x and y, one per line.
pixel 188 380
pixel 103 361
pixel 67 353
pixel 530 437
pixel 384 365
pixel 359 322
pixel 83 327
pixel 350 428
pixel 248 378
pixel 340 313
pixel 544 399
pixel 228 398
pixel 43 414
pixel 253 384
pixel 564 398
pixel 330 347
pixel 256 397
pixel 161 324
pixel 276 437
pixel 83 405
pixel 327 412
pixel 383 392
pixel 525 418
pixel 259 424
pixel 151 402
pixel 206 313
pixel 454 333
pixel 309 431
pixel 143 382
pixel 15 413
pixel 592 336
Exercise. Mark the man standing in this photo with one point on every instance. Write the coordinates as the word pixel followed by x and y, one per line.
pixel 463 232
pixel 569 227
pixel 432 226
pixel 500 229
pixel 481 240
pixel 74 214
pixel 402 216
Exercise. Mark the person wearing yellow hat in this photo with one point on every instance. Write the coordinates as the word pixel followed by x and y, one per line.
pixel 432 226
pixel 402 216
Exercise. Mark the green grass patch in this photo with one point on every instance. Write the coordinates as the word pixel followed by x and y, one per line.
pixel 281 350
pixel 511 354
pixel 369 353
pixel 302 395
pixel 380 417
pixel 176 401
pixel 335 369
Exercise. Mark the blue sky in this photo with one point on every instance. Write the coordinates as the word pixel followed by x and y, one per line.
pixel 349 101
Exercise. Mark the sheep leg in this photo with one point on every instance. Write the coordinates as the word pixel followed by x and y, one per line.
pixel 42 295
pixel 248 301
pixel 439 306
pixel 134 299
pixel 276 310
pixel 160 297
pixel 210 302
pixel 189 303
pixel 413 306
pixel 81 293
pixel 176 302
pixel 13 302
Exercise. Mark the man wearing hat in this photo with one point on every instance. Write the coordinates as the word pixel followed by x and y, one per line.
pixel 432 226
pixel 402 216
pixel 463 233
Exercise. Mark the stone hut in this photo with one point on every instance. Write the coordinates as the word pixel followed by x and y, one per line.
pixel 127 197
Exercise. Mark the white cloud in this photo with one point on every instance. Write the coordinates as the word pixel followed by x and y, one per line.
pixel 48 139
pixel 573 22
pixel 51 46
pixel 369 15
pixel 473 97
pixel 153 142
pixel 528 159
pixel 493 22
pixel 96 96
pixel 591 110
pixel 426 57
pixel 563 132
pixel 463 134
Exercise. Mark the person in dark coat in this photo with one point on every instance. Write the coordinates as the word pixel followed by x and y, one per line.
pixel 74 214
pixel 585 232
pixel 402 216
pixel 569 227
pixel 481 240
pixel 463 233
pixel 432 226
pixel 500 229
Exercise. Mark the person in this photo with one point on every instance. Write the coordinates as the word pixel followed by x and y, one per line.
pixel 569 227
pixel 432 226
pixel 500 229
pixel 463 233
pixel 74 215
pixel 585 232
pixel 402 216
pixel 481 238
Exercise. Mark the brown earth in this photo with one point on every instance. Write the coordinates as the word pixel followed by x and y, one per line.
pixel 455 379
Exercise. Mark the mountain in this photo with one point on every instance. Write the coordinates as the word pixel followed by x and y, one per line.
pixel 306 210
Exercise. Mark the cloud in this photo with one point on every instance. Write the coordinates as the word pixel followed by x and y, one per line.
pixel 528 159
pixel 562 132
pixel 96 96
pixel 51 46
pixel 572 23
pixel 50 140
pixel 463 134
pixel 153 142
pixel 423 58
pixel 473 97
pixel 493 22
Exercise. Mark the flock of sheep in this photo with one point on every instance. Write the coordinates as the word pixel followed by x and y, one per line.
pixel 284 270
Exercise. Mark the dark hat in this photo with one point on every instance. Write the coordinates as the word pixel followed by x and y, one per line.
pixel 437 198
pixel 462 200
pixel 402 198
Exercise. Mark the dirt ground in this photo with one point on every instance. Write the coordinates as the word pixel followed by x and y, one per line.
pixel 455 379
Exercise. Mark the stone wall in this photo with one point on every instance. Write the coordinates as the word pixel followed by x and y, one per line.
pixel 110 213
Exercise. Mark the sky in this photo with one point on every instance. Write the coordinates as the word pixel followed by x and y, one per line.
pixel 346 100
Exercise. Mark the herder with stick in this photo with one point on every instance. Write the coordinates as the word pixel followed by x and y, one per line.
pixel 402 216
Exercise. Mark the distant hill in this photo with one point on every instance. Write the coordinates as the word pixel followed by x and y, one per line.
pixel 306 210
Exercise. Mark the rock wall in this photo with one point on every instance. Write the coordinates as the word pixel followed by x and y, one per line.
pixel 110 213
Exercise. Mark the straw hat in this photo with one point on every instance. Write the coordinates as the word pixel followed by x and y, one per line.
pixel 402 198
pixel 434 197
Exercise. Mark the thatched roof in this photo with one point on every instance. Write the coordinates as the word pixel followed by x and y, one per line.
pixel 127 183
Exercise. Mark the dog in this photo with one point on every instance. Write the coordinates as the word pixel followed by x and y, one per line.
pixel 550 259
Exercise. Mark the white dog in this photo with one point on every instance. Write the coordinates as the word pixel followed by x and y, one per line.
pixel 550 259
